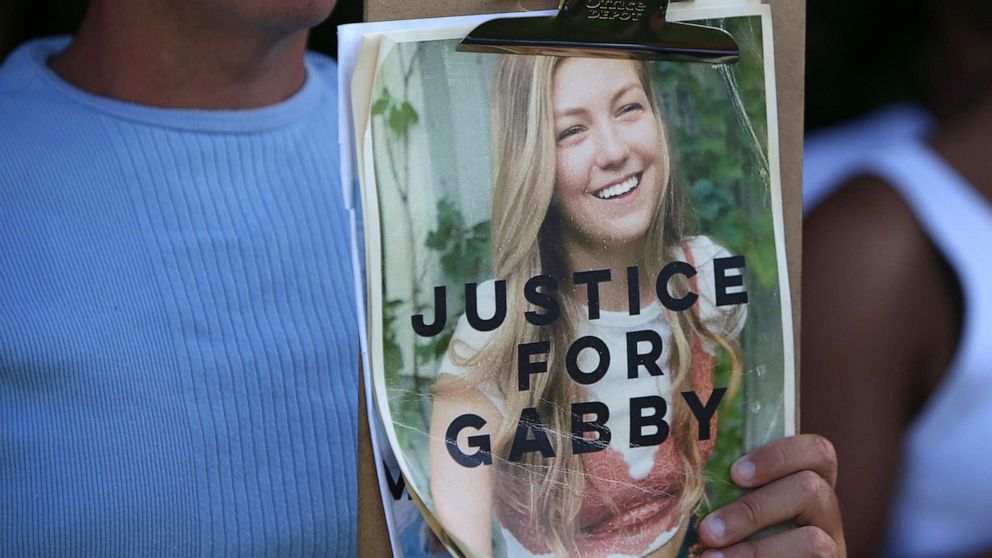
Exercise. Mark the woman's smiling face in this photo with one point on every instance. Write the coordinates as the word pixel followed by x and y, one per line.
pixel 611 163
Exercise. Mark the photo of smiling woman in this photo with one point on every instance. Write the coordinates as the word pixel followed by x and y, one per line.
pixel 582 320
pixel 607 203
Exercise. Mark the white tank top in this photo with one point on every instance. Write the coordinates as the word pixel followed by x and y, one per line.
pixel 943 500
pixel 831 153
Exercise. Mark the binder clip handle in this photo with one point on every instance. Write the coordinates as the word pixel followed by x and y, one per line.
pixel 630 29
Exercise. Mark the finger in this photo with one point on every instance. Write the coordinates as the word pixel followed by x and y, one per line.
pixel 805 542
pixel 803 497
pixel 784 457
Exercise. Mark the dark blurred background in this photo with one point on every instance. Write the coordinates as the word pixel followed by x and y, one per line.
pixel 860 54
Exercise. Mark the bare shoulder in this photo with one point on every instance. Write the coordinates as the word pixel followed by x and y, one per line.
pixel 879 328
pixel 867 257
pixel 862 252
pixel 862 220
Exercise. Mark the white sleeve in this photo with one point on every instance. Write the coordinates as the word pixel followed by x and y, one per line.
pixel 725 321
pixel 466 341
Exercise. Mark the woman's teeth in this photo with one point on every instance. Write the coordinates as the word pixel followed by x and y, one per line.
pixel 619 189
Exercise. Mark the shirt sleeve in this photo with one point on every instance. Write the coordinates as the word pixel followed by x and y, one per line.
pixel 466 342
pixel 725 321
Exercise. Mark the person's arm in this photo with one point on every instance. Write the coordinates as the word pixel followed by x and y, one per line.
pixel 876 324
pixel 463 496
pixel 879 326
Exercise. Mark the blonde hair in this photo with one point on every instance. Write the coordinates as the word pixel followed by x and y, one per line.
pixel 525 243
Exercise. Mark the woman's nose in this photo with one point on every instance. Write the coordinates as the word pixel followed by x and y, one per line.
pixel 611 150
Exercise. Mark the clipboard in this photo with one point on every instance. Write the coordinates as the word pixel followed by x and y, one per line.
pixel 789 40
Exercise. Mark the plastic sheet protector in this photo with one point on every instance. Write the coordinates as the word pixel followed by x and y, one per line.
pixel 574 287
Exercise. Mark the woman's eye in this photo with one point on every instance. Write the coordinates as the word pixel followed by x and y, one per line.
pixel 569 132
pixel 632 107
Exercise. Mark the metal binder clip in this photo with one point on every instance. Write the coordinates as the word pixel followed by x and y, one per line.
pixel 605 28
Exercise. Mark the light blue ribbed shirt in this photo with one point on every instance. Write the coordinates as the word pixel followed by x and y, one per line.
pixel 178 340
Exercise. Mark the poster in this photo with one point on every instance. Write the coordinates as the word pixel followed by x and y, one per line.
pixel 577 300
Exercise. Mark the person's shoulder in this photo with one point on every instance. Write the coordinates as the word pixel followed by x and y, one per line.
pixel 874 283
pixel 466 340
pixel 22 72
pixel 485 306
pixel 15 72
pixel 868 231
pixel 322 78
pixel 702 252
pixel 485 295
pixel 831 155
pixel 865 240
pixel 467 344
pixel 26 98
pixel 866 219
